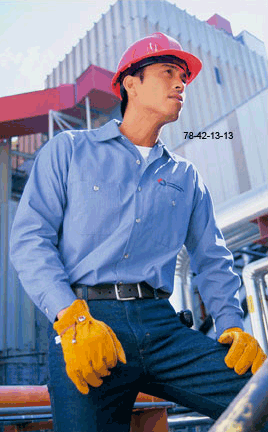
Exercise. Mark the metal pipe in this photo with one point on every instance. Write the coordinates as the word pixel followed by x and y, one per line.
pixel 24 419
pixel 47 408
pixel 50 124
pixel 26 410
pixel 183 421
pixel 249 410
pixel 234 216
pixel 234 219
pixel 249 274
pixel 264 305
pixel 87 103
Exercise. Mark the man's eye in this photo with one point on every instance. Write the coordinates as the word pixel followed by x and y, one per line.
pixel 169 70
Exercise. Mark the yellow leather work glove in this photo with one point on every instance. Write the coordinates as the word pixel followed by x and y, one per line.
pixel 244 352
pixel 89 346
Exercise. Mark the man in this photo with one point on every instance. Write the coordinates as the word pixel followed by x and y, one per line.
pixel 94 241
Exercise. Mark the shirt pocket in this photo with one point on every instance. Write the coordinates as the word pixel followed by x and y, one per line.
pixel 95 208
pixel 170 214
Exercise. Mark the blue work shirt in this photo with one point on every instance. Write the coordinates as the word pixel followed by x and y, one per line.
pixel 93 211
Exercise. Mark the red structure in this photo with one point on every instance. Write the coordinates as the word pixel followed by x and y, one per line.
pixel 27 113
pixel 220 23
pixel 153 419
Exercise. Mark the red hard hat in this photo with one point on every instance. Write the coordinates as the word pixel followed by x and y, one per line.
pixel 154 45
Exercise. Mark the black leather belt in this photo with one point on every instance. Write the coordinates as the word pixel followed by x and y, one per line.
pixel 118 291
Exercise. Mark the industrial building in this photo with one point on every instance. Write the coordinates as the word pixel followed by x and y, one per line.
pixel 229 98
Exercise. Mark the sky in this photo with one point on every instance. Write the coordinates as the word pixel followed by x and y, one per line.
pixel 36 35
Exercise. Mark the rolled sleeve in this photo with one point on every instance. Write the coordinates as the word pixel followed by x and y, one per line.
pixel 34 233
pixel 212 262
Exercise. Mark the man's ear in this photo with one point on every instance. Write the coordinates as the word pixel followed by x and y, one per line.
pixel 129 82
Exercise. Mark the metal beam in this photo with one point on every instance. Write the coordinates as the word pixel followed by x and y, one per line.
pixel 249 410
pixel 88 116
pixel 22 154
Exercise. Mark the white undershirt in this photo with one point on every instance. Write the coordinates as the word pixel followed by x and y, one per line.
pixel 145 151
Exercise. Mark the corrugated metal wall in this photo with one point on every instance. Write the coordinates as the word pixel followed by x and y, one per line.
pixel 233 166
pixel 23 351
pixel 243 73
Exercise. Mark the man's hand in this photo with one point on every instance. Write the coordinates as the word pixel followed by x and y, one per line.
pixel 90 347
pixel 244 352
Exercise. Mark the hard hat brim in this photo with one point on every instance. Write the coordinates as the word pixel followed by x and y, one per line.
pixel 193 63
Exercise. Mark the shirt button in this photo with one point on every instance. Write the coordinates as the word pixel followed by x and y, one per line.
pixel 173 203
pixel 139 188
pixel 96 188
pixel 46 310
pixel 138 220
pixel 126 256
pixel 138 162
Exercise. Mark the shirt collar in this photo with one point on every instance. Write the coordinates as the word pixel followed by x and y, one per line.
pixel 111 130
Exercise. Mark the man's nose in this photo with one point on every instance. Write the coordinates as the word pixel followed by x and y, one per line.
pixel 178 83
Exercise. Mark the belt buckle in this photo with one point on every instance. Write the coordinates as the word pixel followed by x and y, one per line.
pixel 127 298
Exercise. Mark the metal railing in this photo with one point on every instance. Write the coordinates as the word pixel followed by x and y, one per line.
pixel 249 410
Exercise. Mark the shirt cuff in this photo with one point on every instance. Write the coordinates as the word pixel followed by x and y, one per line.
pixel 227 321
pixel 56 300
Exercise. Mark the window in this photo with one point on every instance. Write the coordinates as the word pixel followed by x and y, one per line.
pixel 218 75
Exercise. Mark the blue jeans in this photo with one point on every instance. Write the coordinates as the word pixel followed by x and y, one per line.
pixel 164 359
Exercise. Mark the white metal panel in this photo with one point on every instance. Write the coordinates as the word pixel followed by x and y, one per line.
pixel 122 13
pixel 264 109
pixel 201 32
pixel 225 161
pixel 153 11
pixel 102 43
pixel 92 44
pixel 132 9
pixel 263 77
pixel 65 73
pixel 103 53
pixel 219 43
pixel 195 151
pixel 257 70
pixel 164 16
pixel 211 86
pixel 208 86
pixel 214 160
pixel 211 40
pixel 142 9
pixel 109 26
pixel 121 43
pixel 259 114
pixel 196 30
pixel 116 19
pixel 224 89
pixel 78 60
pixel 19 316
pixel 129 34
pixel 137 30
pixel 214 172
pixel 251 86
pixel 85 52
pixel 232 76
pixel 56 77
pixel 250 139
pixel 193 105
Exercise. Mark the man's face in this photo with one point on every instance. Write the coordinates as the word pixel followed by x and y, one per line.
pixel 162 91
